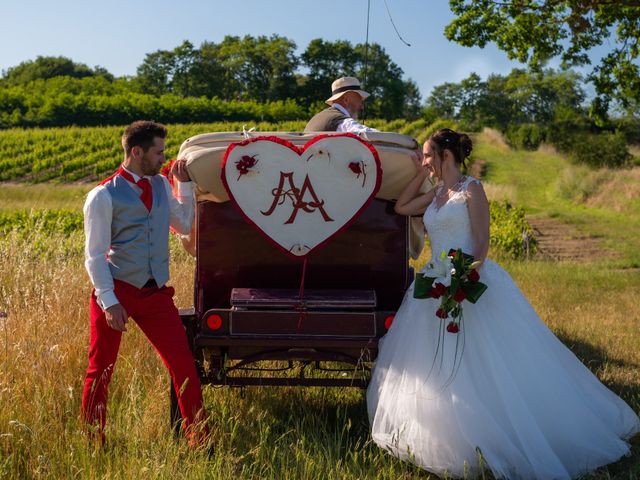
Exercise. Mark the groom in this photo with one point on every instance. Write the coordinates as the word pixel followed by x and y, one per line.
pixel 126 221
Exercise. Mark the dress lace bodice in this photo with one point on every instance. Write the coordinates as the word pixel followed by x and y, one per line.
pixel 449 226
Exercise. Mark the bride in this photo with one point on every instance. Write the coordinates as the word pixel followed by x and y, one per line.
pixel 503 392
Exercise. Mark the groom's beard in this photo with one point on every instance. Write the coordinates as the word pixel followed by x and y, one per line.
pixel 149 167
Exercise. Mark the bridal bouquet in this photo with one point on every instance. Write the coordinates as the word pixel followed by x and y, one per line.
pixel 453 278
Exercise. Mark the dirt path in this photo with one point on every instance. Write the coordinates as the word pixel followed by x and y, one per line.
pixel 556 240
pixel 561 241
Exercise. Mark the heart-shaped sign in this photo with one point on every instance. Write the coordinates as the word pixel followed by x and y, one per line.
pixel 301 197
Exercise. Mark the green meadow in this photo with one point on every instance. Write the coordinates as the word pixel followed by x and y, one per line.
pixel 267 432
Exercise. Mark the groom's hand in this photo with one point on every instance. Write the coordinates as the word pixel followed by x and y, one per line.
pixel 179 170
pixel 116 317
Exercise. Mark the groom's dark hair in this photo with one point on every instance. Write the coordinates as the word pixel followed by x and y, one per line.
pixel 142 134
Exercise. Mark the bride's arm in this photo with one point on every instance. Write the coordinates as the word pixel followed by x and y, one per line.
pixel 479 215
pixel 411 201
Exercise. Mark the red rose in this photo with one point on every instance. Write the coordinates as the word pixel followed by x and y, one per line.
pixel 355 168
pixel 441 313
pixel 459 295
pixel 453 328
pixel 249 161
pixel 473 276
pixel 245 163
pixel 438 290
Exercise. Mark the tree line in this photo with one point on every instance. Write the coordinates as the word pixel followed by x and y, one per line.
pixel 252 78
pixel 532 107
pixel 259 79
pixel 267 69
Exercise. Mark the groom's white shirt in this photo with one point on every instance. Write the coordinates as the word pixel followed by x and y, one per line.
pixel 98 212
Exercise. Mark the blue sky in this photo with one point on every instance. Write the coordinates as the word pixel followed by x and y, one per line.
pixel 117 34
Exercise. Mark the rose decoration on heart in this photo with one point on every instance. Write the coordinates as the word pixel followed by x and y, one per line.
pixel 245 163
pixel 358 169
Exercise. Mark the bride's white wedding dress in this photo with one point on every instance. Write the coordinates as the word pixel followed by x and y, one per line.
pixel 519 399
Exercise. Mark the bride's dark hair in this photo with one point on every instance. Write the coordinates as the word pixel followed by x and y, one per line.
pixel 457 143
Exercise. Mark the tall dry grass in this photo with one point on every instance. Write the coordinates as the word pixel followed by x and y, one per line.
pixel 260 433
pixel 263 433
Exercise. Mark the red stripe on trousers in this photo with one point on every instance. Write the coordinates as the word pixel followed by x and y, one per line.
pixel 157 316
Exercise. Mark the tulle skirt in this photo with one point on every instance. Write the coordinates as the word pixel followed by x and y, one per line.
pixel 504 393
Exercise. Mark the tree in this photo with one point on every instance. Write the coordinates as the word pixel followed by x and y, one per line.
pixel 185 59
pixel 208 73
pixel 326 61
pixel 383 80
pixel 269 67
pixel 391 96
pixel 170 71
pixel 534 31
pixel 412 100
pixel 230 55
pixel 444 101
pixel 261 68
pixel 49 67
pixel 538 96
pixel 518 98
pixel 155 72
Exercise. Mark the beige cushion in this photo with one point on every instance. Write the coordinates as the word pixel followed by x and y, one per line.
pixel 204 154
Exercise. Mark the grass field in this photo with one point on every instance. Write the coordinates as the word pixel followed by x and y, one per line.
pixel 277 432
pixel 42 196
pixel 602 203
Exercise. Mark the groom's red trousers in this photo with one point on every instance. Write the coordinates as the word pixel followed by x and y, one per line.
pixel 156 315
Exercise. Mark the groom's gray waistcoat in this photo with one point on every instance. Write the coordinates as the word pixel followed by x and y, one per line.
pixel 139 238
pixel 325 121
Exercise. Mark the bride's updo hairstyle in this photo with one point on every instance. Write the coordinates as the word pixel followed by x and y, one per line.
pixel 459 144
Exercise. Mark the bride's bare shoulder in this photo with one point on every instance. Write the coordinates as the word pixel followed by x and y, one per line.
pixel 475 193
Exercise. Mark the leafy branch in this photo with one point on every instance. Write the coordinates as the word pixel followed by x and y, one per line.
pixel 535 31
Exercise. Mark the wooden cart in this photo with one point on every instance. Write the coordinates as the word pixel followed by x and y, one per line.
pixel 250 326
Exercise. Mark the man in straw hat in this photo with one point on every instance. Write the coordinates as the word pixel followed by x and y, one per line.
pixel 345 105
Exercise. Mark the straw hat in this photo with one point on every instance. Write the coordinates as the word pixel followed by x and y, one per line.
pixel 344 85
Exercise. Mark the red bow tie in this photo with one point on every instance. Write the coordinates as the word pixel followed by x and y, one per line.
pixel 147 193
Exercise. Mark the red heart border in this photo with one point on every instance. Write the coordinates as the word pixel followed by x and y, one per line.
pixel 300 151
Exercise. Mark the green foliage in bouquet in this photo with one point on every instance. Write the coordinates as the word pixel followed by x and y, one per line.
pixel 453 279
